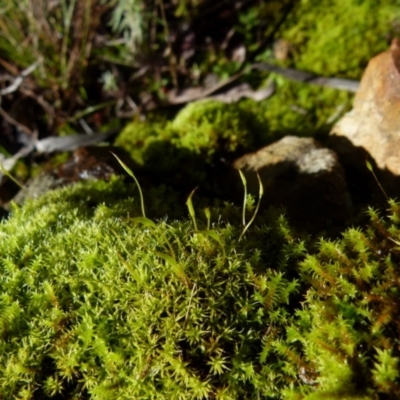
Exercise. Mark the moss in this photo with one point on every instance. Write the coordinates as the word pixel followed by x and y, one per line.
pixel 96 302
pixel 338 38
pixel 328 38
pixel 205 127
pixel 348 327
pixel 209 130
pixel 138 136
pixel 189 150
pixel 298 109
pixel 334 39
pixel 96 305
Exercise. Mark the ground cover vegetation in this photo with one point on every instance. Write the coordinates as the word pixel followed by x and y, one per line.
pixel 111 292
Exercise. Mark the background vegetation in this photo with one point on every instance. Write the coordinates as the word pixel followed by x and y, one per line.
pixel 100 61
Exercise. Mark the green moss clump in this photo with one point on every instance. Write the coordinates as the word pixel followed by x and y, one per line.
pixel 94 304
pixel 207 128
pixel 349 326
pixel 339 37
pixel 138 136
pixel 184 152
pixel 298 109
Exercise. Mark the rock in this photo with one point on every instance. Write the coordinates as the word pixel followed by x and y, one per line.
pixel 372 129
pixel 302 176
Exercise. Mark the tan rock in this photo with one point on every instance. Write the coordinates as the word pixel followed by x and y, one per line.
pixel 372 128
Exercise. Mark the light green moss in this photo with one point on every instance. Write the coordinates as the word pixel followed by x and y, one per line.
pixel 208 126
pixel 138 136
pixel 95 305
pixel 338 38
pixel 205 128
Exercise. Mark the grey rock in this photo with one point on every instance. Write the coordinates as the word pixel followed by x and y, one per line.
pixel 301 176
